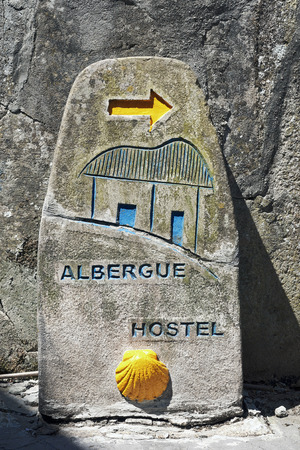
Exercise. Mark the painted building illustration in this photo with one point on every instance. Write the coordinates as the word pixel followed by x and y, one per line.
pixel 155 190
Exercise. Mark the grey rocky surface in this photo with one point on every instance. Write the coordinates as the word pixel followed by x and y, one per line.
pixel 246 57
pixel 22 427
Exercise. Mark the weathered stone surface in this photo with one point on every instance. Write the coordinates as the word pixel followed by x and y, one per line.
pixel 17 389
pixel 245 55
pixel 139 421
pixel 20 210
pixel 22 429
pixel 281 411
pixel 110 281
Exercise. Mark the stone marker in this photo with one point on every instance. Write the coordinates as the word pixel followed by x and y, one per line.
pixel 138 251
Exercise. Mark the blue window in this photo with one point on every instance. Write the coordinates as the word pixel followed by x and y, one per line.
pixel 126 215
pixel 177 221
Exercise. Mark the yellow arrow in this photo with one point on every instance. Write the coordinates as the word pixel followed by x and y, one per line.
pixel 155 107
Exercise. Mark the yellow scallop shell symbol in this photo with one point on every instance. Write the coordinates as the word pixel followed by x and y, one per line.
pixel 140 376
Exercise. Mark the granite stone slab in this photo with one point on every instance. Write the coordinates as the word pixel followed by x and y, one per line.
pixel 138 249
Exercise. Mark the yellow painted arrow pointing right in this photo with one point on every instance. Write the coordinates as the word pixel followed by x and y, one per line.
pixel 155 107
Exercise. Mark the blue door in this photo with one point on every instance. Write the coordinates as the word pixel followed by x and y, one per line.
pixel 177 221
pixel 126 215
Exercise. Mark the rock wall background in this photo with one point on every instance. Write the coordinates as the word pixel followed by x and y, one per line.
pixel 246 56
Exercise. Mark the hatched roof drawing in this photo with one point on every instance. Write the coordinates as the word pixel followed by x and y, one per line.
pixel 176 162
